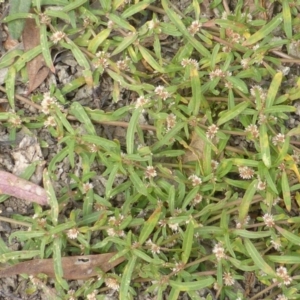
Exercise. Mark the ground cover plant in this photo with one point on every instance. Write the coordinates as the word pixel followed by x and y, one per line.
pixel 197 197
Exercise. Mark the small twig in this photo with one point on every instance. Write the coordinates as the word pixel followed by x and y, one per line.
pixel 23 99
pixel 12 221
pixel 156 9
pixel 288 58
pixel 117 123
pixel 226 6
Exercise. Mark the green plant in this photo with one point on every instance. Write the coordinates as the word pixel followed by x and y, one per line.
pixel 181 215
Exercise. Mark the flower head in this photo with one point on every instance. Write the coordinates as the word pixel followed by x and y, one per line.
pixel 112 283
pixel 173 226
pixel 189 62
pixel 212 131
pixel 86 187
pixel 72 233
pixel 14 120
pixel 178 267
pixel 278 139
pixel 253 130
pixel 141 101
pixel 219 251
pixel 102 60
pixel 123 64
pixel 245 63
pixel 276 244
pixel 214 164
pixel 57 36
pixel 155 249
pixel 162 92
pixel 171 121
pixel 246 172
pixel 283 274
pixel 48 103
pixel 150 172
pixel 268 220
pixel 195 180
pixel 194 27
pixel 261 185
pixel 228 279
pixel 198 198
pixel 50 122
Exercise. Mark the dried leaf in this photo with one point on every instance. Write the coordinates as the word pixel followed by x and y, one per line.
pixel 36 68
pixel 74 267
pixel 21 188
pixel 195 149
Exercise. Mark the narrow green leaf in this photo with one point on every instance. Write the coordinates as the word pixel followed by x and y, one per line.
pixel 237 27
pixel 171 199
pixel 10 86
pixel 51 197
pixel 58 158
pixel 58 266
pixel 192 286
pixel 273 89
pixel 130 135
pixel 264 145
pixel 78 54
pixel 99 141
pixel 62 118
pixel 251 234
pixel 120 22
pixel 166 139
pixel 244 162
pixel 257 258
pixel 149 225
pixel 230 114
pixel 110 181
pixel 73 5
pixel 246 201
pixel 293 238
pixel 127 41
pixel 150 60
pixel 287 19
pixel 135 8
pixel 62 227
pixel 181 27
pixel 280 109
pixel 137 182
pixel 238 84
pixel 16 27
pixel 73 85
pixel 58 14
pixel 88 202
pixel 294 131
pixel 242 265
pixel 142 255
pixel 196 101
pixel 98 40
pixel 16 255
pixel 126 278
pixel 264 31
pixel 269 179
pixel 285 259
pixel 26 235
pixel 214 55
pixel 46 47
pixel 286 193
pixel 9 57
pixel 187 242
pixel 3 247
pixel 79 112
